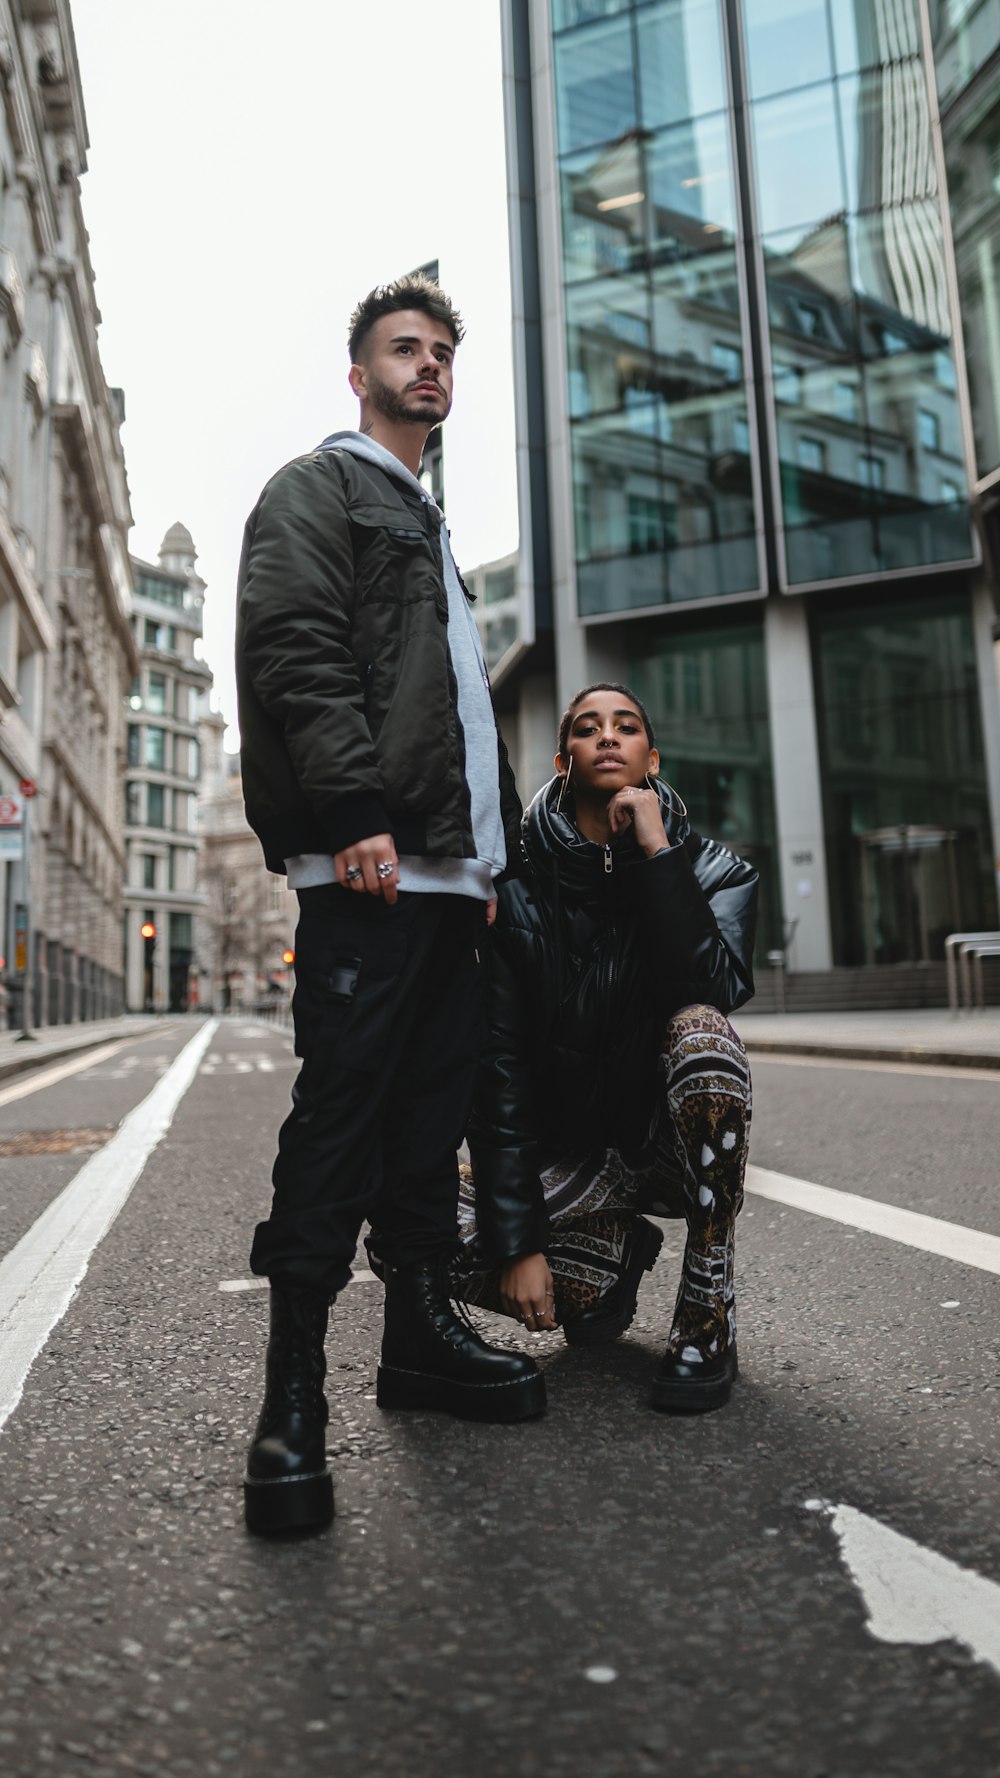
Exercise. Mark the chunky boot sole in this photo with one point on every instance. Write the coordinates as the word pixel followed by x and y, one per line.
pixel 298 1503
pixel 598 1327
pixel 683 1395
pixel 522 1399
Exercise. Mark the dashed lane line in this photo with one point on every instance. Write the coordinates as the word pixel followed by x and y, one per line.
pixel 950 1240
pixel 40 1276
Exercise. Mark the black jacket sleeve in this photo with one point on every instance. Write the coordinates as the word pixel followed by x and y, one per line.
pixel 697 907
pixel 294 622
pixel 510 1203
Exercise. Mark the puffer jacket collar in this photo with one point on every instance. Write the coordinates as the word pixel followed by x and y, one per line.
pixel 556 851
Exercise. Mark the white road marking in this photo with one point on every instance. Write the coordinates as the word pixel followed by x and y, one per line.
pixel 912 1594
pixel 49 1076
pixel 950 1240
pixel 244 1283
pixel 40 1276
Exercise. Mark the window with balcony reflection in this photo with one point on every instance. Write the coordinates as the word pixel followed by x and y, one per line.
pixel 664 491
pixel 857 297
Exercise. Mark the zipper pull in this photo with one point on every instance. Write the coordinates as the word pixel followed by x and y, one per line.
pixel 609 863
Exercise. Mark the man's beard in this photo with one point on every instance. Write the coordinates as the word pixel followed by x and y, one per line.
pixel 392 406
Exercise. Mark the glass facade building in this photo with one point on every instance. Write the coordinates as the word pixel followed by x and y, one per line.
pixel 747 237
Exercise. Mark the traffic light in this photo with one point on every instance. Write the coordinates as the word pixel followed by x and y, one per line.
pixel 287 957
pixel 147 932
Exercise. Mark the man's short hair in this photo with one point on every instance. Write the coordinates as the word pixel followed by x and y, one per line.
pixel 415 291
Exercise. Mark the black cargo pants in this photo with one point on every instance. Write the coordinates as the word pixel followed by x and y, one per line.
pixel 388 1025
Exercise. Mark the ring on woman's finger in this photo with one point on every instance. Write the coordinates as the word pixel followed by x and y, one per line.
pixel 385 869
pixel 353 872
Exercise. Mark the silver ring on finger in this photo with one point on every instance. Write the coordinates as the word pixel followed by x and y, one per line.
pixel 353 872
pixel 385 869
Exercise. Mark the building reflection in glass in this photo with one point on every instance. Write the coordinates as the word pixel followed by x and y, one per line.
pixel 862 385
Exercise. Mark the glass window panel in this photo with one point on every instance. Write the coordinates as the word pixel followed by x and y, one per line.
pixel 610 347
pixel 156 748
pixel 682 65
pixel 800 175
pixel 706 693
pixel 156 694
pixel 810 298
pixel 691 189
pixel 133 744
pixel 595 85
pixel 566 13
pixel 603 211
pixel 133 803
pixel 155 805
pixel 870 35
pixel 900 734
pixel 148 871
pixel 888 154
pixel 966 34
pixel 788 44
pixel 971 141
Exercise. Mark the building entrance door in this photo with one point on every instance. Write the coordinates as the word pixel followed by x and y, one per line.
pixel 909 879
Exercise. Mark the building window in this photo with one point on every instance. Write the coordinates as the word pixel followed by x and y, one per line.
pixel 643 524
pixel 928 430
pixel 133 803
pixel 132 747
pixel 846 402
pixel 156 694
pixel 156 802
pixel 787 384
pixel 741 435
pixel 871 472
pixel 148 870
pixel 812 454
pixel 951 493
pixel 729 360
pixel 156 748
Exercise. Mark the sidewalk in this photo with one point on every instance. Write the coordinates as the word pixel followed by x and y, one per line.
pixel 972 1040
pixel 53 1043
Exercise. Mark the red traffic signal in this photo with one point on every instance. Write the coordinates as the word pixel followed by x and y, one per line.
pixel 147 929
pixel 288 956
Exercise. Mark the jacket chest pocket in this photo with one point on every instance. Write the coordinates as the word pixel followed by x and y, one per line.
pixel 395 561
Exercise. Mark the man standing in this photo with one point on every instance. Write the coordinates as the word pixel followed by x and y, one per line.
pixel 374 775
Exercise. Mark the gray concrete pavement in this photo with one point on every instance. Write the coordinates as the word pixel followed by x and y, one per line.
pixel 970 1039
pixel 599 1594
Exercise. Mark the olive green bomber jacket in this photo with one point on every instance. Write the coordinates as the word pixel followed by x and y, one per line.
pixel 347 697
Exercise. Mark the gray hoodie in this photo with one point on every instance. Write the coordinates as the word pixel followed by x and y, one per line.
pixel 450 876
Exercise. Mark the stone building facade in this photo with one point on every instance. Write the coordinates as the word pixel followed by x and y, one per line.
pixel 66 650
pixel 168 701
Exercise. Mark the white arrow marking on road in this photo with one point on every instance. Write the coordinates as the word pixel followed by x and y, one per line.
pixel 951 1240
pixel 40 1276
pixel 912 1594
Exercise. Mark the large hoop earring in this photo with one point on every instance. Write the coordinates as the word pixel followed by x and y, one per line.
pixel 562 787
pixel 673 793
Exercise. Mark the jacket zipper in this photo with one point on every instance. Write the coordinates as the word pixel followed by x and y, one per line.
pixel 609 863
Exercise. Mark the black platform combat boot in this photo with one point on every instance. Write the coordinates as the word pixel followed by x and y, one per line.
pixel 700 1364
pixel 433 1357
pixel 287 1486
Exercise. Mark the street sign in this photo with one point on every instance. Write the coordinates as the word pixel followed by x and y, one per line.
pixel 11 811
pixel 11 830
pixel 28 787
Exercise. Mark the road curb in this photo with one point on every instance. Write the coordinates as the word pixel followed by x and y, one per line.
pixel 860 1052
pixel 23 1064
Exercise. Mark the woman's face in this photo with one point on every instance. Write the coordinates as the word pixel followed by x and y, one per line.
pixel 607 745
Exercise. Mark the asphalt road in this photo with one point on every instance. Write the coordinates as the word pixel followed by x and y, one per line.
pixel 605 1592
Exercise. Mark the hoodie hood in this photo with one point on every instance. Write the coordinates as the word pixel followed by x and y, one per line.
pixel 358 444
pixel 553 844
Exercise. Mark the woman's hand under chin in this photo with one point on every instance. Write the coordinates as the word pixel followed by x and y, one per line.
pixel 642 809
pixel 526 1292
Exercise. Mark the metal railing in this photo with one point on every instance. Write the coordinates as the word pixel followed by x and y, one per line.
pixel 957 949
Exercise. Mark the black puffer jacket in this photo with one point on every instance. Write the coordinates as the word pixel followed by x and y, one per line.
pixel 593 950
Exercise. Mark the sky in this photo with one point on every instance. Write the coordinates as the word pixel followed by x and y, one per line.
pixel 253 171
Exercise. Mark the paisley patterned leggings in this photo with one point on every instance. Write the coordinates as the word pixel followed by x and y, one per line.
pixel 692 1167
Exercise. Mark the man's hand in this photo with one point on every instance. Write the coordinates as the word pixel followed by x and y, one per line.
pixel 358 867
pixel 526 1292
pixel 491 911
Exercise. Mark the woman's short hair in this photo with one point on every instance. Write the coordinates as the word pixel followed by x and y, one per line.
pixel 566 720
pixel 415 291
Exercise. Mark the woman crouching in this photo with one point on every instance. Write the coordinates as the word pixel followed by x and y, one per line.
pixel 612 1082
